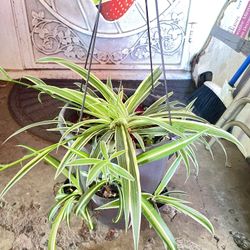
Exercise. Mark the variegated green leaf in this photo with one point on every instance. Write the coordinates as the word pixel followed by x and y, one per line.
pixel 55 209
pixel 25 169
pixel 79 143
pixel 83 162
pixel 110 205
pixel 158 224
pixel 93 81
pixel 4 76
pixel 153 108
pixel 104 150
pixel 166 149
pixel 120 210
pixel 36 124
pixel 168 176
pixel 144 121
pixel 123 173
pixel 87 196
pixel 185 159
pixel 140 141
pixel 55 226
pixel 135 191
pixel 95 171
pixel 197 216
pixel 117 154
pixel 143 91
pixel 212 130
pixel 122 161
pixel 55 163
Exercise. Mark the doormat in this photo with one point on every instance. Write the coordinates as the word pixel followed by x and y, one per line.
pixel 26 109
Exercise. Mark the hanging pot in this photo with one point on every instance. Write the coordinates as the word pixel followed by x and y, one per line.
pixel 150 174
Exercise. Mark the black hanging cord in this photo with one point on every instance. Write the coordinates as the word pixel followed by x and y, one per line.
pixel 162 62
pixel 90 46
pixel 150 45
pixel 91 52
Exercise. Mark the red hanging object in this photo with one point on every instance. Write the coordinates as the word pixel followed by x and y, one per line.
pixel 115 9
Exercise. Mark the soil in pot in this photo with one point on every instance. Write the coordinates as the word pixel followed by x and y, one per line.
pixel 105 195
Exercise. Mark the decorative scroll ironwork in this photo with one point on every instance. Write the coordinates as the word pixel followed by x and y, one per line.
pixel 52 37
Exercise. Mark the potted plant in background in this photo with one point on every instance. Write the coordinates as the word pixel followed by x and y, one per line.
pixel 106 150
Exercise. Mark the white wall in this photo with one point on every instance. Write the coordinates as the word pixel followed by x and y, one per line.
pixel 10 56
pixel 203 15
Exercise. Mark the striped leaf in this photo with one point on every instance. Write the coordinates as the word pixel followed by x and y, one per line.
pixel 104 150
pixel 212 130
pixel 79 153
pixel 153 108
pixel 79 143
pixel 178 114
pixel 185 159
pixel 36 124
pixel 52 161
pixel 87 196
pixel 35 80
pixel 135 191
pixel 143 91
pixel 4 76
pixel 93 81
pixel 166 149
pixel 110 205
pixel 121 145
pixel 55 209
pixel 154 131
pixel 117 154
pixel 144 121
pixel 121 172
pixel 95 171
pixel 83 162
pixel 96 105
pixel 75 127
pixel 140 141
pixel 158 224
pixel 168 176
pixel 120 209
pixel 96 150
pixel 25 169
pixel 197 216
pixel 56 224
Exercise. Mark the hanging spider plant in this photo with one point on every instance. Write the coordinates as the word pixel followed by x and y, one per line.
pixel 115 130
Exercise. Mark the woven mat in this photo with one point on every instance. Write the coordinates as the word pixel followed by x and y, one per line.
pixel 25 108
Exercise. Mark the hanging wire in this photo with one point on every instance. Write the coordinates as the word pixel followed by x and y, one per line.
pixel 91 53
pixel 90 46
pixel 149 45
pixel 163 63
